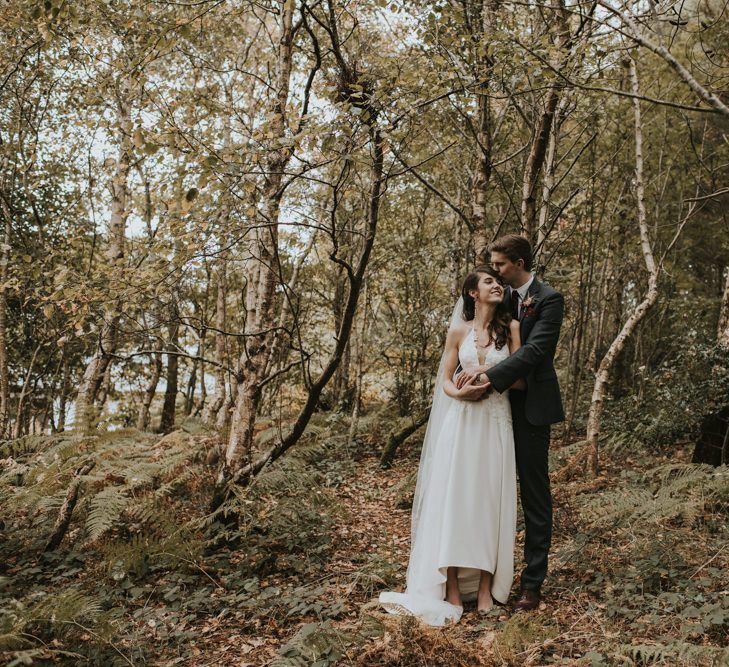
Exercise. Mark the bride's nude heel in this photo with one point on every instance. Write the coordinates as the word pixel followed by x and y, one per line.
pixel 486 579
pixel 452 581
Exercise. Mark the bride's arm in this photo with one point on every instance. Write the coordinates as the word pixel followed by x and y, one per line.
pixel 469 391
pixel 514 345
pixel 453 340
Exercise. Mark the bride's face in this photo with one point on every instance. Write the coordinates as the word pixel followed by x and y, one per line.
pixel 489 290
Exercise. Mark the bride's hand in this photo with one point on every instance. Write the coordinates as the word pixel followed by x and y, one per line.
pixel 469 376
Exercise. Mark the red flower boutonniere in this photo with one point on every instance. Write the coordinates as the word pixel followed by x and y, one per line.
pixel 530 306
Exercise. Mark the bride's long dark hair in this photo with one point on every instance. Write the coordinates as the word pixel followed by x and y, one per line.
pixel 498 327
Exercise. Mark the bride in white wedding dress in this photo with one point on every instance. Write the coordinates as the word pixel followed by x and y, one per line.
pixel 464 509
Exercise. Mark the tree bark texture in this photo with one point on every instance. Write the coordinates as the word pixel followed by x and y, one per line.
pixel 86 413
pixel 640 311
pixel 151 390
pixel 167 420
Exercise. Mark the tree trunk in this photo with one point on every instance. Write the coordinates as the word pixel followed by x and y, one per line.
pixel 4 265
pixel 86 413
pixel 69 503
pixel 398 437
pixel 104 389
pixel 262 279
pixel 19 412
pixel 357 400
pixel 722 334
pixel 482 175
pixel 151 390
pixel 218 401
pixel 543 137
pixel 167 420
pixel 192 382
pixel 712 447
pixel 222 421
pixel 63 398
pixel 484 140
pixel 618 344
pixel 544 143
pixel 245 473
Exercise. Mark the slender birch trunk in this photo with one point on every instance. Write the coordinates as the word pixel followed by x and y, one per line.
pixel 167 419
pixel 359 356
pixel 86 412
pixel 262 279
pixel 545 135
pixel 650 298
pixel 63 398
pixel 104 389
pixel 20 410
pixel 222 421
pixel 356 279
pixel 4 270
pixel 484 137
pixel 722 334
pixel 218 400
pixel 151 390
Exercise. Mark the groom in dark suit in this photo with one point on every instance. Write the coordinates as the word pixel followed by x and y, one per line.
pixel 539 310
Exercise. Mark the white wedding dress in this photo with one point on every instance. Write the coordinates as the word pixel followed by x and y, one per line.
pixel 464 513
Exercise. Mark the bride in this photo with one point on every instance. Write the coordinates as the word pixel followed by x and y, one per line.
pixel 464 510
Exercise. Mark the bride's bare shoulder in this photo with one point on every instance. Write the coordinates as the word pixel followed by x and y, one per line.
pixel 457 332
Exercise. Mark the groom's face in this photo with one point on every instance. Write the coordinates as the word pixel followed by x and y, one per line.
pixel 509 271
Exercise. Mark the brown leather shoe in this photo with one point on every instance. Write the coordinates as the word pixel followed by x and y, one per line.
pixel 528 601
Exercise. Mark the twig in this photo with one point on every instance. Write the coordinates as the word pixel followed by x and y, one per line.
pixel 714 557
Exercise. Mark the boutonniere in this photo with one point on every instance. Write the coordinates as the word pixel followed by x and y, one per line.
pixel 529 305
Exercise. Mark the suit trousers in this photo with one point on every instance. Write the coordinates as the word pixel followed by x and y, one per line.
pixel 532 463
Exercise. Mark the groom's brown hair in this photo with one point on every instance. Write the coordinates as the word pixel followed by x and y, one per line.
pixel 515 247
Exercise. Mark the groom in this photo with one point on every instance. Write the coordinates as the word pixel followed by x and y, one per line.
pixel 539 310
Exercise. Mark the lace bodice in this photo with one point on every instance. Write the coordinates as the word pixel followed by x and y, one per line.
pixel 468 355
pixel 496 403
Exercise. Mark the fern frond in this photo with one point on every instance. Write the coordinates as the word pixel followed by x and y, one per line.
pixel 65 607
pixel 104 509
pixel 678 653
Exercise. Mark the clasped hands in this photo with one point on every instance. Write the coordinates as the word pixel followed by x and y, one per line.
pixel 473 384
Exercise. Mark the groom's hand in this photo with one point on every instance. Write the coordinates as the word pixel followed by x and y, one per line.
pixel 475 392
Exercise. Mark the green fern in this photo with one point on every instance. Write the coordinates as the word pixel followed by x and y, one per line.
pixel 668 492
pixel 133 471
pixel 315 643
pixel 679 653
pixel 104 509
pixel 65 611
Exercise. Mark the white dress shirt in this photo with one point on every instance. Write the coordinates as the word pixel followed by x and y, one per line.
pixel 522 291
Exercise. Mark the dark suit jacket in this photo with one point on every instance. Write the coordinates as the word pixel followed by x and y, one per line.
pixel 539 328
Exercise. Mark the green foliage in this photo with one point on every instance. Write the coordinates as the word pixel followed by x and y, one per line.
pixel 676 653
pixel 132 473
pixel 669 492
pixel 691 382
pixel 520 632
pixel 322 644
pixel 62 614
pixel 377 573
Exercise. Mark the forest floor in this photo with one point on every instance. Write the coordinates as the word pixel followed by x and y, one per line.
pixel 637 574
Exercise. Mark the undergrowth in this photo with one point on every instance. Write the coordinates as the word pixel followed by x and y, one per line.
pixel 146 575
